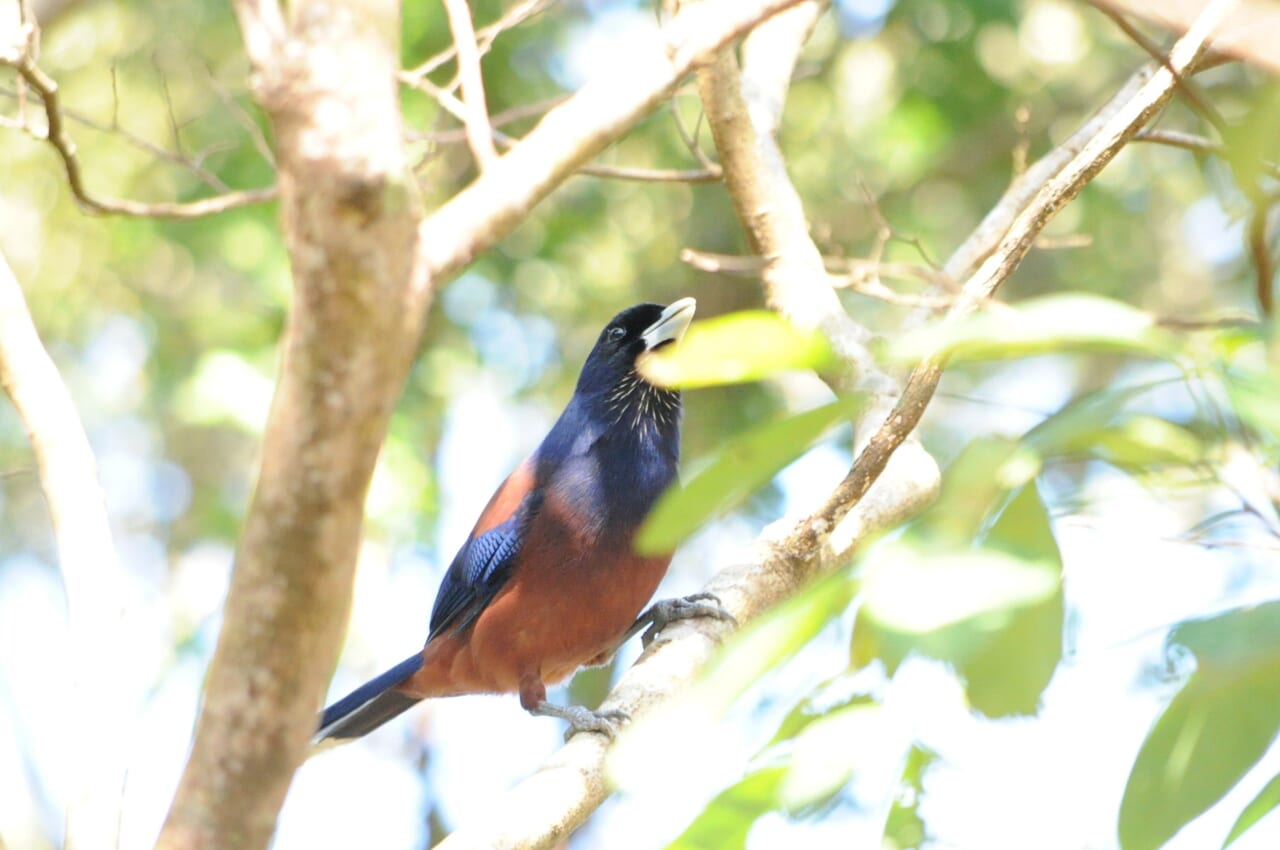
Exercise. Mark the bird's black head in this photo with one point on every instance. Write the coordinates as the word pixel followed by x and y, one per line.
pixel 610 370
pixel 617 444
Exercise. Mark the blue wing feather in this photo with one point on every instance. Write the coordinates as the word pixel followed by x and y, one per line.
pixel 477 573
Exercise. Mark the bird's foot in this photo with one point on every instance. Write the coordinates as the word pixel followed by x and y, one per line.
pixel 664 612
pixel 581 719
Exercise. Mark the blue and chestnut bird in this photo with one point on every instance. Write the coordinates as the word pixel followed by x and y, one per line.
pixel 549 580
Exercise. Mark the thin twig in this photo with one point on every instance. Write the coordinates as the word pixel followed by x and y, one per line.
pixel 1196 144
pixel 653 175
pixel 175 129
pixel 115 99
pixel 55 133
pixel 1108 132
pixel 862 276
pixel 243 118
pixel 132 139
pixel 1181 323
pixel 1063 242
pixel 475 111
pixel 1021 150
pixel 690 138
pixel 885 233
pixel 1197 101
pixel 485 37
pixel 1264 264
pixel 457 109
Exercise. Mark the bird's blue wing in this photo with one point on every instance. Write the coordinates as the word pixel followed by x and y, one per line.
pixel 484 563
pixel 477 573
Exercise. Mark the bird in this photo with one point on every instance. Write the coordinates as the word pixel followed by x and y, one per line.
pixel 549 579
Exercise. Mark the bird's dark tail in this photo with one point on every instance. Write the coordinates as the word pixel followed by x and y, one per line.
pixel 370 705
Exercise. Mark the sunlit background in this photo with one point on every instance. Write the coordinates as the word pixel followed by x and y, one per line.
pixel 167 336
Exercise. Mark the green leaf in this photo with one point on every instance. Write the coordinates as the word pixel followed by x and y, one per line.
pixel 734 349
pixel 692 719
pixel 976 483
pixel 1097 424
pixel 1237 639
pixel 795 777
pixel 772 638
pixel 1251 140
pixel 919 592
pixel 905 827
pixel 1058 433
pixel 808 710
pixel 1009 673
pixel 1141 441
pixel 826 753
pixel 994 612
pixel 1052 323
pixel 746 463
pixel 1213 731
pixel 1259 807
pixel 727 819
pixel 1256 397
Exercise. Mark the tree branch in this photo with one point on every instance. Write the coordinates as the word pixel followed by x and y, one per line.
pixel 1113 127
pixel 475 113
pixel 87 557
pixel 744 113
pixel 1195 99
pixel 459 110
pixel 350 218
pixel 569 785
pixel 861 276
pixel 1251 32
pixel 573 133
pixel 485 37
pixel 22 58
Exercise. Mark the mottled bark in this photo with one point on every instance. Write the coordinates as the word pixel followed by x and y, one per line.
pixel 327 79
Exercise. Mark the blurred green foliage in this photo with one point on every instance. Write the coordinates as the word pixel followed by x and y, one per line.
pixel 167 333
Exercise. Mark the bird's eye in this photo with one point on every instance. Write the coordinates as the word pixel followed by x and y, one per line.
pixel 616 333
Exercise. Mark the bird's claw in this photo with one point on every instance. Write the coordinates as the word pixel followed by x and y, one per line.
pixel 607 723
pixel 667 611
pixel 581 719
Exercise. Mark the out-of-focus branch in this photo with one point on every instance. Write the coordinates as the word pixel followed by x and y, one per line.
pixel 1264 263
pixel 744 112
pixel 456 108
pixel 49 10
pixel 475 112
pixel 87 557
pixel 574 132
pixel 569 786
pixel 22 58
pixel 861 276
pixel 1251 32
pixel 652 175
pixel 1104 136
pixel 350 218
pixel 263 31
pixel 485 37
pixel 1188 89
pixel 767 204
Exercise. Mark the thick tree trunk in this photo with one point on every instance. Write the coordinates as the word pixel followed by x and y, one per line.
pixel 350 219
